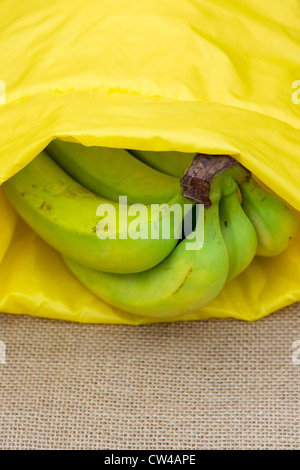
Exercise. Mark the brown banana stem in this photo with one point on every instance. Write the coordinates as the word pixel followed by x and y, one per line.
pixel 195 182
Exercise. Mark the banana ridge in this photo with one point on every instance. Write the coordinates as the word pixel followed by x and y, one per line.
pixel 110 172
pixel 171 163
pixel 239 234
pixel 274 220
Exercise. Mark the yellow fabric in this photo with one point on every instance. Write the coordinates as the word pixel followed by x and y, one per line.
pixel 188 75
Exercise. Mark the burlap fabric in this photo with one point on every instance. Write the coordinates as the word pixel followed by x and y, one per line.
pixel 218 384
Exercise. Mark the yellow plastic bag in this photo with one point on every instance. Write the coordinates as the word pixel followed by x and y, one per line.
pixel 209 76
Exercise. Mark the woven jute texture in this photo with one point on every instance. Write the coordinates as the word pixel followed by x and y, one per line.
pixel 218 384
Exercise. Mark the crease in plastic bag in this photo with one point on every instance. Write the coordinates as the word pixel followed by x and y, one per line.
pixel 139 74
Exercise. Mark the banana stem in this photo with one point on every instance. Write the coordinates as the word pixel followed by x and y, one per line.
pixel 208 177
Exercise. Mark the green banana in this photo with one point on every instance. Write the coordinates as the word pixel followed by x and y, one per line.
pixel 171 163
pixel 274 221
pixel 67 216
pixel 188 278
pixel 185 281
pixel 111 172
pixel 239 234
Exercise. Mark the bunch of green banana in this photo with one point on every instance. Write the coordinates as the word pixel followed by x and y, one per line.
pixel 187 279
pixel 149 274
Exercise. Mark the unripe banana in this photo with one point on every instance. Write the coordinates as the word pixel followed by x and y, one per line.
pixel 111 172
pixel 184 282
pixel 274 221
pixel 187 279
pixel 239 234
pixel 64 214
pixel 171 163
